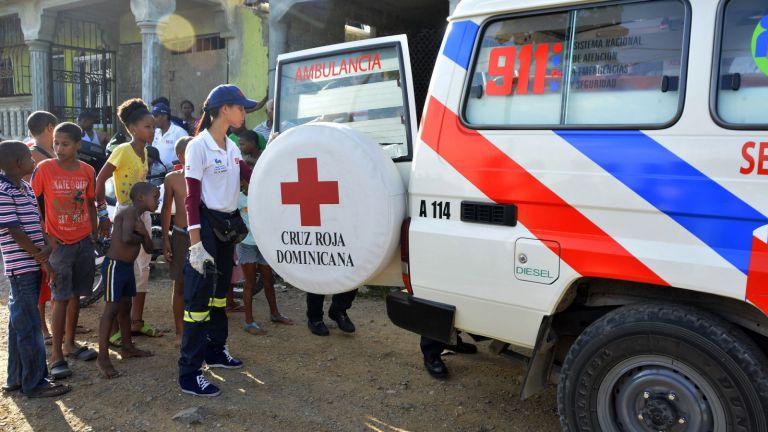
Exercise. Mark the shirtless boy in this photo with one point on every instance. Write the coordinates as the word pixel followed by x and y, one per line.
pixel 176 244
pixel 128 235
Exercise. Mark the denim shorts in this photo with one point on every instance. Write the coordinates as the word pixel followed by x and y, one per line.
pixel 74 268
pixel 249 254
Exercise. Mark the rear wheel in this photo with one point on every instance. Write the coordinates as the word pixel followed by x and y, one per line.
pixel 661 367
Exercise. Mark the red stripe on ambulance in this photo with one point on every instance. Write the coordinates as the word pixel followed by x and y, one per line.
pixel 757 278
pixel 583 245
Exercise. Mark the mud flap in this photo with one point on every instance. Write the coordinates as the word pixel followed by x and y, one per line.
pixel 540 363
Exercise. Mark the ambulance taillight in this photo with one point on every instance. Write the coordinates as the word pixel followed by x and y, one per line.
pixel 404 258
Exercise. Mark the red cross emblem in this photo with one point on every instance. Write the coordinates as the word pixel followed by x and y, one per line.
pixel 308 192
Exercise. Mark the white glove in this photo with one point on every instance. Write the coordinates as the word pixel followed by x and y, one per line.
pixel 198 256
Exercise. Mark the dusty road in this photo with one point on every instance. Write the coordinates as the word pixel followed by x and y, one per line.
pixel 372 380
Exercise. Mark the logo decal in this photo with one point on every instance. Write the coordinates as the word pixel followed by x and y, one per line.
pixel 309 193
pixel 760 45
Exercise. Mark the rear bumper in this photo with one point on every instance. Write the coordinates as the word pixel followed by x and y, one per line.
pixel 425 317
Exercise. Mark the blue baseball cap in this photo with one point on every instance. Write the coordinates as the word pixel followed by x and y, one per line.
pixel 226 94
pixel 161 108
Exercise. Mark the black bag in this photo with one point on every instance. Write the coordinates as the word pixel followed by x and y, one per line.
pixel 228 227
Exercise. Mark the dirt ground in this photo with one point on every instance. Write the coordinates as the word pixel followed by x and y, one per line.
pixel 372 380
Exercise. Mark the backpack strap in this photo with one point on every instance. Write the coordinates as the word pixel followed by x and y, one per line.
pixel 42 151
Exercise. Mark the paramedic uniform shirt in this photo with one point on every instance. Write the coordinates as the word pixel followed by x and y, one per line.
pixel 165 143
pixel 218 171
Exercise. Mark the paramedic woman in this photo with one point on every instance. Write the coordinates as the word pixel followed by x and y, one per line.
pixel 213 171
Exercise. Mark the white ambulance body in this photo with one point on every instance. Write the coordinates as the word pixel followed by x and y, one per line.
pixel 586 185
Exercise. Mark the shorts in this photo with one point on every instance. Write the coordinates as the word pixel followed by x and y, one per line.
pixel 179 248
pixel 250 254
pixel 74 269
pixel 45 290
pixel 118 280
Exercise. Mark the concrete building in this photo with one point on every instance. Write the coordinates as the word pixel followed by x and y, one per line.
pixel 66 56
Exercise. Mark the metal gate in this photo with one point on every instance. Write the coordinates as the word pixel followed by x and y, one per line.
pixel 82 73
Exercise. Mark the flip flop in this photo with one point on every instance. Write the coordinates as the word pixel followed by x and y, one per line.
pixel 254 329
pixel 83 354
pixel 149 330
pixel 60 370
pixel 116 339
pixel 49 390
pixel 281 319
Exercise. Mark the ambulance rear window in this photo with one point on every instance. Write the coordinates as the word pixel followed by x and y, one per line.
pixel 362 89
pixel 742 83
pixel 606 66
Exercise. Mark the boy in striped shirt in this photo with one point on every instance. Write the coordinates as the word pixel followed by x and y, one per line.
pixel 24 252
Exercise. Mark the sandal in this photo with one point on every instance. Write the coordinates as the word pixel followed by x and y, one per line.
pixel 83 354
pixel 149 330
pixel 280 319
pixel 254 329
pixel 49 390
pixel 116 339
pixel 60 370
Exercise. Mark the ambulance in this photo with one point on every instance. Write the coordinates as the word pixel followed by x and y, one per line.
pixel 584 182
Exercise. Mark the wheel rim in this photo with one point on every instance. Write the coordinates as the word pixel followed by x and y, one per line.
pixel 658 393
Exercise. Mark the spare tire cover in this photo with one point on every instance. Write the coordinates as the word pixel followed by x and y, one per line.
pixel 325 205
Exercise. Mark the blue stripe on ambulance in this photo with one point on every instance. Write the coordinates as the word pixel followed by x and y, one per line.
pixel 461 39
pixel 716 216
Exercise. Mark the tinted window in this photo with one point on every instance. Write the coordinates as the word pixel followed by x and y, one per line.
pixel 610 65
pixel 361 89
pixel 742 87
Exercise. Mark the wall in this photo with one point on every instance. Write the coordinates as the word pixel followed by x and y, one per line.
pixel 191 76
pixel 249 59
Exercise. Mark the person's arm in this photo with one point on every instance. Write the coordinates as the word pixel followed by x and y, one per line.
pixel 104 224
pixel 140 232
pixel 165 215
pixel 101 180
pixel 194 161
pixel 192 206
pixel 90 197
pixel 22 239
pixel 245 171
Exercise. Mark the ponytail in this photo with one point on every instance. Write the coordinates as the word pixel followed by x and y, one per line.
pixel 209 114
pixel 205 122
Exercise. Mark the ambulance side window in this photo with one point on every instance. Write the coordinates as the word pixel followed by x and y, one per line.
pixel 603 66
pixel 742 84
pixel 362 89
pixel 518 72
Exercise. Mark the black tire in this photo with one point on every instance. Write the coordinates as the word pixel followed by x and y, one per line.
pixel 654 367
pixel 97 291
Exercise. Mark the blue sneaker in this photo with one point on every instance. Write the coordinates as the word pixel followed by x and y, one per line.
pixel 198 385
pixel 223 360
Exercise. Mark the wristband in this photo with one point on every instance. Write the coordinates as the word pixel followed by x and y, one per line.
pixel 102 213
pixel 103 218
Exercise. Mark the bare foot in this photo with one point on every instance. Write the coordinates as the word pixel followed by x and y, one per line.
pixel 107 370
pixel 132 351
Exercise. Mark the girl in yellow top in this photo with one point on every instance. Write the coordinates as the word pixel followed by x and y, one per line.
pixel 128 165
